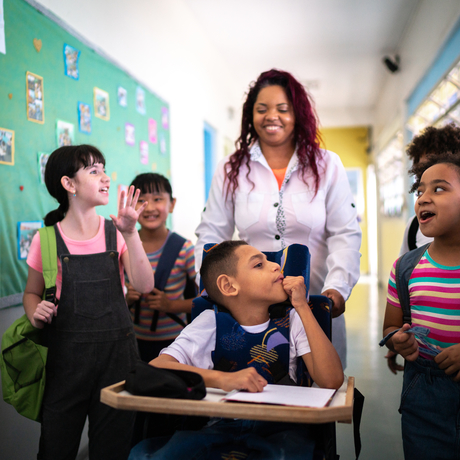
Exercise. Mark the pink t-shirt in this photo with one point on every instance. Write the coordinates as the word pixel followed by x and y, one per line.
pixel 92 246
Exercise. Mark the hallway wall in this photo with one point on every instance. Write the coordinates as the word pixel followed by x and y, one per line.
pixel 161 44
pixel 352 144
pixel 427 32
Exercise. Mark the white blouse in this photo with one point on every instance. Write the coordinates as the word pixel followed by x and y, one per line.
pixel 271 219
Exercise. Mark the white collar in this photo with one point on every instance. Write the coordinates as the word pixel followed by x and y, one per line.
pixel 257 155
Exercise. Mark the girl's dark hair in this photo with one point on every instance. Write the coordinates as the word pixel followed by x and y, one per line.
pixel 451 159
pixel 66 161
pixel 152 183
pixel 306 135
pixel 434 141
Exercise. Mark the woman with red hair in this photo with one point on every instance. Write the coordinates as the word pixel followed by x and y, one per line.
pixel 281 188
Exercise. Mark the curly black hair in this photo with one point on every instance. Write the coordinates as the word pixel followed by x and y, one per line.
pixel 434 141
pixel 451 159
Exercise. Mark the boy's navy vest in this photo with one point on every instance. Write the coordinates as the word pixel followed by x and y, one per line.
pixel 266 351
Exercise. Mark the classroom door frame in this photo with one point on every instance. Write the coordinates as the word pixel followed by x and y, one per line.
pixel 209 144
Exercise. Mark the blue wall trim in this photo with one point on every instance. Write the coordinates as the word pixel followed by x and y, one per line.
pixel 209 134
pixel 447 56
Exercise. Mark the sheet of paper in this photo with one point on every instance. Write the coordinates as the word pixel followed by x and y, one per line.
pixel 2 29
pixel 285 395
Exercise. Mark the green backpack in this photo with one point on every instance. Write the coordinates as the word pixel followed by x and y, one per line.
pixel 23 353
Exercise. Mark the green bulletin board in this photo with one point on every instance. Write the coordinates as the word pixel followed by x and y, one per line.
pixel 35 43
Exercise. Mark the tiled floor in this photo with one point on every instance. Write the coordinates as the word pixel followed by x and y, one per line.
pixel 380 424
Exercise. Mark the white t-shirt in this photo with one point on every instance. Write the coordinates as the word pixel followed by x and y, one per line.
pixel 198 340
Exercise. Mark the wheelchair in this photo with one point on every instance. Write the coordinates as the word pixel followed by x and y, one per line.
pixel 294 261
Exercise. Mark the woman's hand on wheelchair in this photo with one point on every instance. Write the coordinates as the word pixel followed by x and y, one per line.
pixel 338 302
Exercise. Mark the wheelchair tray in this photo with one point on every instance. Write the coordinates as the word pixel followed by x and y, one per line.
pixel 339 410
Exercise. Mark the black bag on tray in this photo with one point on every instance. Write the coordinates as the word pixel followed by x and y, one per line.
pixel 147 380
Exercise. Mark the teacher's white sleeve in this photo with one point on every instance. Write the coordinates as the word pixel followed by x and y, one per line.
pixel 343 234
pixel 217 219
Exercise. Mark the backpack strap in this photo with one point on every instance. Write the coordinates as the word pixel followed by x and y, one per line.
pixel 49 262
pixel 110 235
pixel 412 234
pixel 168 258
pixel 404 267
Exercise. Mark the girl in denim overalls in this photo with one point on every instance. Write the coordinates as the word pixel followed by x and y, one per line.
pixel 90 334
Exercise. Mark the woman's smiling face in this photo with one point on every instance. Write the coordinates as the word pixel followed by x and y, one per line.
pixel 273 117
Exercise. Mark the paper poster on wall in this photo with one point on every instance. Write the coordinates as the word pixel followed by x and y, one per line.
pixel 6 146
pixel 26 231
pixel 162 143
pixel 2 30
pixel 42 160
pixel 71 56
pixel 84 118
pixel 35 98
pixel 122 95
pixel 122 188
pixel 65 133
pixel 144 151
pixel 152 131
pixel 130 137
pixel 165 117
pixel 101 104
pixel 355 179
pixel 140 100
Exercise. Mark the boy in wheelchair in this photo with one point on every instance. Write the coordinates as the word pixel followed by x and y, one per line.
pixel 239 346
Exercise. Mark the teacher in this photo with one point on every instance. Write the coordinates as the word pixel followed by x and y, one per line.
pixel 281 188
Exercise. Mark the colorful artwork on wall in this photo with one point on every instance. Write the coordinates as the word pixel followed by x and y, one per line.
pixel 122 96
pixel 84 118
pixel 35 98
pixel 65 133
pixel 130 137
pixel 26 232
pixel 6 146
pixel 71 56
pixel 101 104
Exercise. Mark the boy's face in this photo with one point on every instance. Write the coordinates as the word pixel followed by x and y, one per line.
pixel 159 206
pixel 438 202
pixel 258 279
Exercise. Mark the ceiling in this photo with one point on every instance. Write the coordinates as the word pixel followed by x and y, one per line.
pixel 334 47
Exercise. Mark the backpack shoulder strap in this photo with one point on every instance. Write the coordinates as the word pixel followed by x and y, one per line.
pixel 168 258
pixel 412 234
pixel 49 261
pixel 404 267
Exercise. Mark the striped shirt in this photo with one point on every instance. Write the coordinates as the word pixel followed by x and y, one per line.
pixel 167 328
pixel 434 292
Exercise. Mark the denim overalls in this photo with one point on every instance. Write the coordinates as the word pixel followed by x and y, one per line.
pixel 91 345
pixel 430 409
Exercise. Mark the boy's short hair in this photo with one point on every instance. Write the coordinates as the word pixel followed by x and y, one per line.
pixel 450 159
pixel 434 141
pixel 152 183
pixel 221 260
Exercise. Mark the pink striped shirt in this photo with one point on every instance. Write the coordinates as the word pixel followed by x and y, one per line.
pixel 166 327
pixel 434 292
